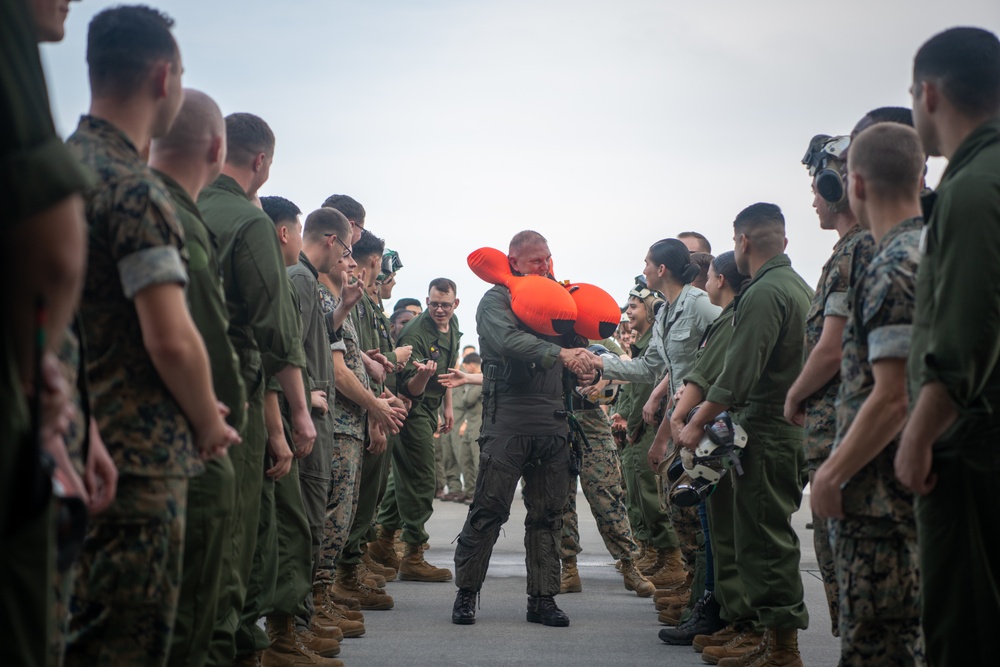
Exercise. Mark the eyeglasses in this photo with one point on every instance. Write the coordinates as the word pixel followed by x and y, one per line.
pixel 347 251
pixel 433 305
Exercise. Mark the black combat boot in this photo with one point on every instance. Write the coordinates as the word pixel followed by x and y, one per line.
pixel 543 610
pixel 704 620
pixel 464 611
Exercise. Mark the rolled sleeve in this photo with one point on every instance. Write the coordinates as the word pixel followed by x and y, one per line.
pixel 891 342
pixel 836 305
pixel 153 266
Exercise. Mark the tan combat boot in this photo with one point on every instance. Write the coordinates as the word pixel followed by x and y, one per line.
pixel 328 615
pixel 647 559
pixel 387 573
pixel 671 572
pixel 413 567
pixel 321 646
pixel 752 653
pixel 383 549
pixel 569 581
pixel 783 651
pixel 634 581
pixel 717 638
pixel 369 578
pixel 287 651
pixel 328 631
pixel 347 584
pixel 671 615
pixel 671 597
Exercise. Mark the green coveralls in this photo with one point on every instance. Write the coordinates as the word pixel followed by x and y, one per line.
pixel 409 498
pixel 956 342
pixel 762 361
pixel 37 173
pixel 211 495
pixel 265 330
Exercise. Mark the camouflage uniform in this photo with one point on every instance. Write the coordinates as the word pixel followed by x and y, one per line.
pixel 841 272
pixel 125 598
pixel 875 545
pixel 350 423
pixel 601 479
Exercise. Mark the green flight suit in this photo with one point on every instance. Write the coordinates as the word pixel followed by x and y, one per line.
pixel 264 328
pixel 468 402
pixel 729 590
pixel 956 342
pixel 409 499
pixel 211 495
pixel 373 329
pixel 37 172
pixel 314 470
pixel 763 359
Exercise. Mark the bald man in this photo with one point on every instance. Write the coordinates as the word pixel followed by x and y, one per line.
pixel 187 159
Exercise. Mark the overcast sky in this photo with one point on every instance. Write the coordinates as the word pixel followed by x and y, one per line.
pixel 604 126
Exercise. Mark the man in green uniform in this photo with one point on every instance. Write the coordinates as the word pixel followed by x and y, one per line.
pixel 409 498
pixel 264 327
pixel 810 401
pixel 44 254
pixel 468 403
pixel 950 450
pixel 187 159
pixel 763 359
pixel 873 530
pixel 524 434
pixel 149 373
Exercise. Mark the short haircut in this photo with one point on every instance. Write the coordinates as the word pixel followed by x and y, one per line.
pixel 325 221
pixel 900 115
pixel 348 206
pixel 367 245
pixel 966 64
pixel 123 44
pixel 763 224
pixel 890 159
pixel 703 260
pixel 702 241
pixel 198 122
pixel 443 285
pixel 406 302
pixel 280 210
pixel 523 240
pixel 247 136
pixel 396 314
pixel 472 358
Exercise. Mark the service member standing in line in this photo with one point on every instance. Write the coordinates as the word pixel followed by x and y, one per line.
pixel 265 330
pixel 149 372
pixel 948 454
pixel 468 403
pixel 524 434
pixel 873 532
pixel 187 159
pixel 810 401
pixel 409 498
pixel 763 359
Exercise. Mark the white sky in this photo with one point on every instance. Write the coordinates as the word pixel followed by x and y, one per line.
pixel 604 126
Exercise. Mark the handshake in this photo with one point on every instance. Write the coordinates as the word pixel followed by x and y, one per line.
pixel 583 363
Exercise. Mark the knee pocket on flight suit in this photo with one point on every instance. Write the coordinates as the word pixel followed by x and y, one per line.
pixel 494 493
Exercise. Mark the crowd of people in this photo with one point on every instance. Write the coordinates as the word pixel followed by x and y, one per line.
pixel 211 417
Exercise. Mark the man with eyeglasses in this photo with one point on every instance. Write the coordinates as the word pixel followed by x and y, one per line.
pixel 409 498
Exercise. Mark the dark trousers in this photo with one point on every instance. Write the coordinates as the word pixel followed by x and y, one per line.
pixel 543 461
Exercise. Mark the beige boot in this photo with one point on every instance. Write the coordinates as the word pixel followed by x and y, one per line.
pixel 370 579
pixel 321 646
pixel 671 572
pixel 634 581
pixel 783 650
pixel 287 651
pixel 569 581
pixel 680 596
pixel 328 631
pixel 717 638
pixel 413 567
pixel 647 560
pixel 383 549
pixel 751 655
pixel 347 584
pixel 387 573
pixel 328 615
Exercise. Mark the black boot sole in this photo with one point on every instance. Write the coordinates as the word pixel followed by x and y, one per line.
pixel 532 617
pixel 463 621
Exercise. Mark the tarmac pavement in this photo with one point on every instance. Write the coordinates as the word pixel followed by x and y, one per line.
pixel 608 625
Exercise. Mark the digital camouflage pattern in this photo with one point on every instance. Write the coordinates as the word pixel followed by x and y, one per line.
pixel 840 274
pixel 881 327
pixel 135 241
pixel 349 418
pixel 342 501
pixel 601 480
pixel 880 601
pixel 129 576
